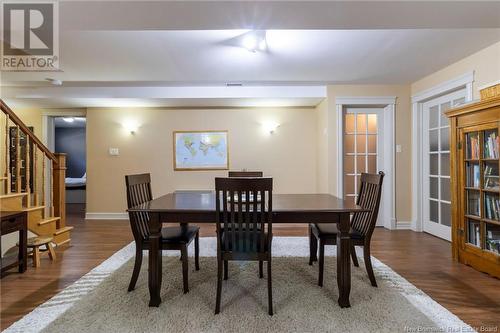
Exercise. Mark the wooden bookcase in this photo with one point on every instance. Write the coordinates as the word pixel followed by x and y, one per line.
pixel 475 184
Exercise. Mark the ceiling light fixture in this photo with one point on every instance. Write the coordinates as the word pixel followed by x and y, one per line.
pixel 254 41
pixel 69 119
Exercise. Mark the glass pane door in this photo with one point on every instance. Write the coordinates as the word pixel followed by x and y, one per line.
pixel 361 147
pixel 437 196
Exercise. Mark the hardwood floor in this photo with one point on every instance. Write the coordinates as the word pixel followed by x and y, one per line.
pixel 422 259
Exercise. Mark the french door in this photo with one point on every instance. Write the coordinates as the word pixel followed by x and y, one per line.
pixel 363 130
pixel 436 164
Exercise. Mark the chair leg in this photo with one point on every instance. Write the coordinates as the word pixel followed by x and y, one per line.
pixel 368 264
pixel 52 253
pixel 353 256
pixel 137 267
pixel 219 285
pixel 261 269
pixel 185 259
pixel 226 269
pixel 312 238
pixel 269 287
pixel 321 261
pixel 197 251
pixel 36 257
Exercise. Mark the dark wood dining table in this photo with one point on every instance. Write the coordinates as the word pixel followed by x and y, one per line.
pixel 199 207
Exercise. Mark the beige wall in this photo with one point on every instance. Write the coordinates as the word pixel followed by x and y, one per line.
pixel 485 64
pixel 403 137
pixel 289 155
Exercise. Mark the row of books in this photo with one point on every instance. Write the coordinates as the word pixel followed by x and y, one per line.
pixel 474 208
pixel 474 234
pixel 491 180
pixel 492 207
pixel 473 175
pixel 491 145
pixel 473 146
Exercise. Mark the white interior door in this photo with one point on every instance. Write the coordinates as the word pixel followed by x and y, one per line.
pixel 363 149
pixel 436 164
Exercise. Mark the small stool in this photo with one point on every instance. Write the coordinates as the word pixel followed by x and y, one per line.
pixel 35 243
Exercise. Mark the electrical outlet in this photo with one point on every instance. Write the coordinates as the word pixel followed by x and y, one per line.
pixel 399 149
pixel 114 151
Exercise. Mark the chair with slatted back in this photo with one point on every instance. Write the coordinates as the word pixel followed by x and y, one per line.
pixel 242 204
pixel 244 174
pixel 362 226
pixel 173 238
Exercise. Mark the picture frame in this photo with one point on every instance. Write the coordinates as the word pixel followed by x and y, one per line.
pixel 200 150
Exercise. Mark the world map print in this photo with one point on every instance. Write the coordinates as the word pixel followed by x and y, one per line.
pixel 200 150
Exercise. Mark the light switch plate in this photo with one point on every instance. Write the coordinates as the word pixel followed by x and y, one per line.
pixel 114 151
pixel 399 149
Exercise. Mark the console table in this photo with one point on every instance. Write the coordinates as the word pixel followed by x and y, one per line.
pixel 15 222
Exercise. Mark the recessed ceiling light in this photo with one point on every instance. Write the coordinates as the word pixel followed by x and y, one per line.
pixel 254 41
pixel 69 119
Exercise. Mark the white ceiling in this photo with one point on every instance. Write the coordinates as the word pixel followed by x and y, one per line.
pixel 140 45
pixel 78 122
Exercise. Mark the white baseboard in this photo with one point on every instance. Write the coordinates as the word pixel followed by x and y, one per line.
pixel 106 216
pixel 403 225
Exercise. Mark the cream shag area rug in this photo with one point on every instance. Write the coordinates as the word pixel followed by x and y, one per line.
pixel 99 301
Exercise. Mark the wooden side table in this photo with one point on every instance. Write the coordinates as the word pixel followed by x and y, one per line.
pixel 15 222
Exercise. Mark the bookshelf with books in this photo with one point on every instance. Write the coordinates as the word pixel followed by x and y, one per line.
pixel 475 164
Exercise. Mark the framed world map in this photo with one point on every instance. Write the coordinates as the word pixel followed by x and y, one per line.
pixel 200 150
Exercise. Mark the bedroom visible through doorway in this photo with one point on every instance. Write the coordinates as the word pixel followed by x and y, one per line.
pixel 70 138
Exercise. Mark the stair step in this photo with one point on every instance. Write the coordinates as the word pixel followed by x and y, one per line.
pixel 48 220
pixel 62 235
pixel 33 208
pixel 63 230
pixel 12 195
pixel 3 178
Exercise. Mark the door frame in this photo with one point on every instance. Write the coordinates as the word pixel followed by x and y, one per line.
pixel 463 81
pixel 388 103
pixel 48 134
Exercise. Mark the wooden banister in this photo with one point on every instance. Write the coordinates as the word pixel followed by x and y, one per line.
pixel 18 122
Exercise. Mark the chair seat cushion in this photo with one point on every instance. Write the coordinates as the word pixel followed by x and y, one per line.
pixel 244 240
pixel 178 234
pixel 331 230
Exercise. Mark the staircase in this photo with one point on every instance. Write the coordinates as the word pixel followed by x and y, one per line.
pixel 32 180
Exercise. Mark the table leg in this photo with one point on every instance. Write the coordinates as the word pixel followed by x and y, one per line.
pixel 343 260
pixel 23 250
pixel 155 259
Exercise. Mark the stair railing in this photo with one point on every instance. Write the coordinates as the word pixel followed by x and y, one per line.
pixel 24 171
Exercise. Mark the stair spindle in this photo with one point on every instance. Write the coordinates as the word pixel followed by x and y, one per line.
pixel 27 171
pixel 43 180
pixel 36 200
pixel 52 188
pixel 7 155
pixel 18 160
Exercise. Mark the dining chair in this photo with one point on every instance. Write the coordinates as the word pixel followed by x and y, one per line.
pixel 172 238
pixel 243 204
pixel 243 174
pixel 362 226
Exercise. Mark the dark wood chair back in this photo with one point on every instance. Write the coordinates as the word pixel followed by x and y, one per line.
pixel 243 210
pixel 369 198
pixel 139 192
pixel 244 174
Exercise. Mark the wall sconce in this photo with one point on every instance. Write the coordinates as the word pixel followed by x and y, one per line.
pixel 130 126
pixel 270 127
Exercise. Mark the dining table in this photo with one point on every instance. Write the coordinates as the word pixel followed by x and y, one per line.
pixel 199 207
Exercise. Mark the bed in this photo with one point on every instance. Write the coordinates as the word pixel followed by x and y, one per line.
pixel 75 189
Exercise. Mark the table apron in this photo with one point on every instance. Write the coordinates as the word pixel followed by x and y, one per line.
pixel 278 217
